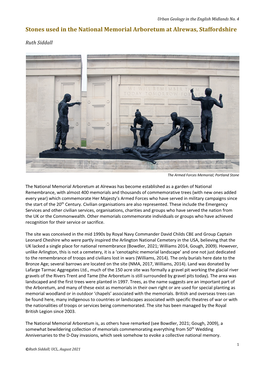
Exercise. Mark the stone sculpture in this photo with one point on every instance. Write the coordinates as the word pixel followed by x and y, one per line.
pixel 186 127
pixel 207 103
pixel 144 129
pixel 62 123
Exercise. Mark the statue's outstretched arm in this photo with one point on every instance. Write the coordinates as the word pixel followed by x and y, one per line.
pixel 74 103
pixel 177 130
pixel 195 98
pixel 220 103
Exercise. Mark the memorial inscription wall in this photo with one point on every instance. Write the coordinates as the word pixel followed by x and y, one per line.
pixel 155 85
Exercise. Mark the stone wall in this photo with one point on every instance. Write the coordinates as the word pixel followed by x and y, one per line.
pixel 48 78
pixel 159 85
pixel 117 85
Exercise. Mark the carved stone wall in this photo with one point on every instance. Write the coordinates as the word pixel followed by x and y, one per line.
pixel 159 85
pixel 117 85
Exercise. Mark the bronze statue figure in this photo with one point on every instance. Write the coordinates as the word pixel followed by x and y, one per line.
pixel 186 127
pixel 144 130
pixel 62 123
pixel 207 103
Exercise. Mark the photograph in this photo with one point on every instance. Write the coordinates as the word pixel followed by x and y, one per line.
pixel 132 216
pixel 153 108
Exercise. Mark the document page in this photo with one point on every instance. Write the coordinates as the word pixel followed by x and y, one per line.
pixel 132 191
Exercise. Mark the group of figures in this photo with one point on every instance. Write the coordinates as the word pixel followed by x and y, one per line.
pixel 179 124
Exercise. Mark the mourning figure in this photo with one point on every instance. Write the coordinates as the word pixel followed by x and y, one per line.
pixel 146 153
pixel 207 103
pixel 62 123
pixel 144 129
pixel 183 125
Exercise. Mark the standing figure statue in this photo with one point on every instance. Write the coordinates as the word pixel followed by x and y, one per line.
pixel 62 123
pixel 144 130
pixel 207 103
pixel 186 128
